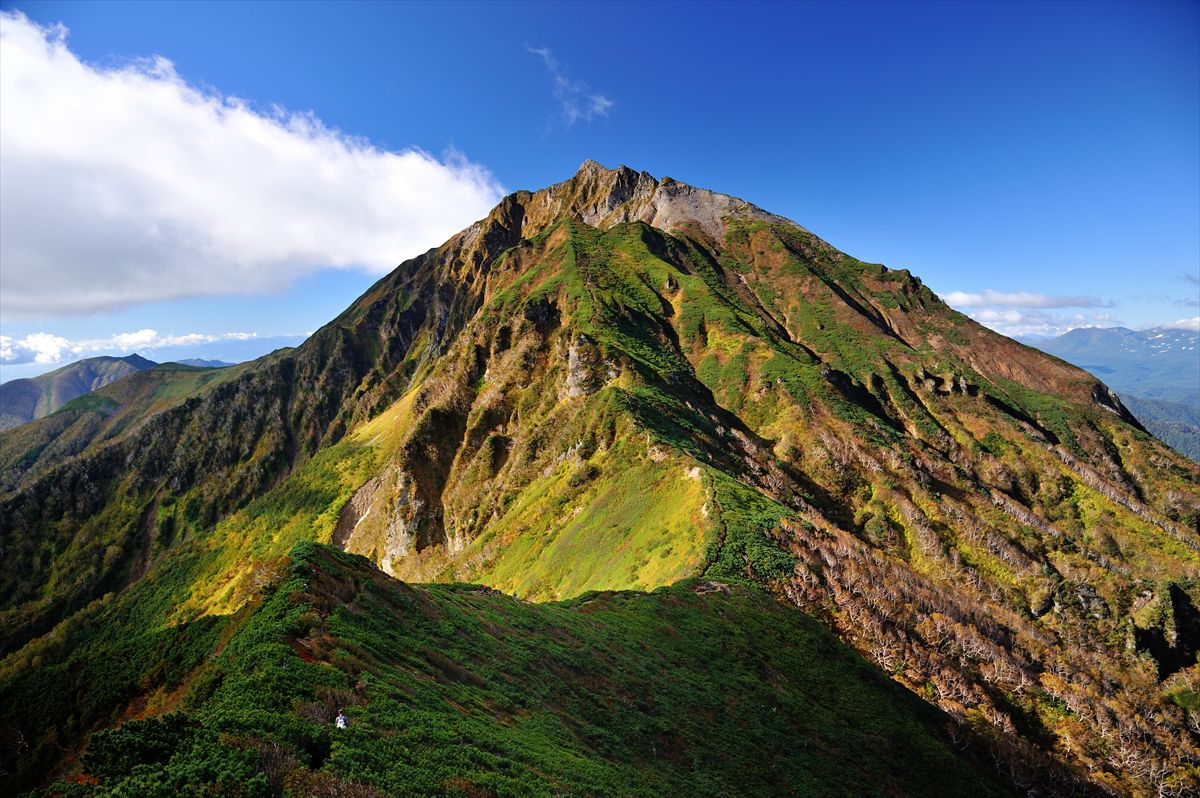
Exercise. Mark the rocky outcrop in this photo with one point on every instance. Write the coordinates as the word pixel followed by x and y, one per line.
pixel 587 371
pixel 619 381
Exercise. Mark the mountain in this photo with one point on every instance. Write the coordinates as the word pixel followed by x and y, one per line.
pixel 208 364
pixel 1156 372
pixel 620 383
pixel 1160 363
pixel 96 418
pixel 24 400
pixel 1173 423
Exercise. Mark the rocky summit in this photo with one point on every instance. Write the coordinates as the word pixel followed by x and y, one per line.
pixel 616 384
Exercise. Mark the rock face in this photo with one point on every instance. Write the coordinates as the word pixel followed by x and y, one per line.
pixel 383 519
pixel 602 198
pixel 617 382
pixel 587 372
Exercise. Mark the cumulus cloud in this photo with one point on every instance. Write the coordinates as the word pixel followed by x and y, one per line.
pixel 1029 324
pixel 1019 299
pixel 126 184
pixel 1192 324
pixel 35 348
pixel 45 348
pixel 576 101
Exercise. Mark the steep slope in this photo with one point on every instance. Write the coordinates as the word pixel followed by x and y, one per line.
pixel 702 688
pixel 24 400
pixel 87 422
pixel 619 382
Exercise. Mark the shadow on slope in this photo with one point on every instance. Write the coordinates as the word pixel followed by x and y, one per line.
pixel 700 688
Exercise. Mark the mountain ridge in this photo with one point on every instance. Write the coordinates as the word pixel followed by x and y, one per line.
pixel 552 406
pixel 24 400
pixel 613 693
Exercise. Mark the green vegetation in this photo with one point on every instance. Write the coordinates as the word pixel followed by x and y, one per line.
pixel 24 400
pixel 551 407
pixel 744 550
pixel 455 690
pixel 1174 423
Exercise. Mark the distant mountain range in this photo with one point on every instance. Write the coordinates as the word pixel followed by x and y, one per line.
pixel 202 363
pixel 1159 363
pixel 24 400
pixel 1156 372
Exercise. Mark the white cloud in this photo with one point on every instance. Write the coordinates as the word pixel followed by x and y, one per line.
pixel 35 348
pixel 576 101
pixel 48 349
pixel 127 184
pixel 1018 299
pixel 1022 314
pixel 1024 323
pixel 1192 324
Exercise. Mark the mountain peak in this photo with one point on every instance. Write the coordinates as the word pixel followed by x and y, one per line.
pixel 595 167
pixel 589 167
pixel 603 197
pixel 612 384
pixel 137 361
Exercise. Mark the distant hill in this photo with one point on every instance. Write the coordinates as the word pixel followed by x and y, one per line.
pixel 1173 423
pixel 24 400
pixel 208 364
pixel 1155 371
pixel 1158 363
pixel 96 418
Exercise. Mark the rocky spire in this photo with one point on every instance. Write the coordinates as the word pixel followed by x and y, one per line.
pixel 604 197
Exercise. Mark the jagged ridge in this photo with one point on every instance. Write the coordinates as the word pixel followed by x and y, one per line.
pixel 617 382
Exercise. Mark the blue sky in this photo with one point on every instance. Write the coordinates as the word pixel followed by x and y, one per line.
pixel 1036 164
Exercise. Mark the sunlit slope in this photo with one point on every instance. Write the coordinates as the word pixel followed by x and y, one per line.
pixel 702 689
pixel 619 382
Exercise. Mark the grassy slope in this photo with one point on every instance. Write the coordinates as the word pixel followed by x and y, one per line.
pixel 49 575
pixel 574 508
pixel 86 422
pixel 24 400
pixel 453 690
pixel 773 402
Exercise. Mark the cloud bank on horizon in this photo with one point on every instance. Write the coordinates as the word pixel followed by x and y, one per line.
pixel 48 349
pixel 1020 299
pixel 171 191
pixel 1022 314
